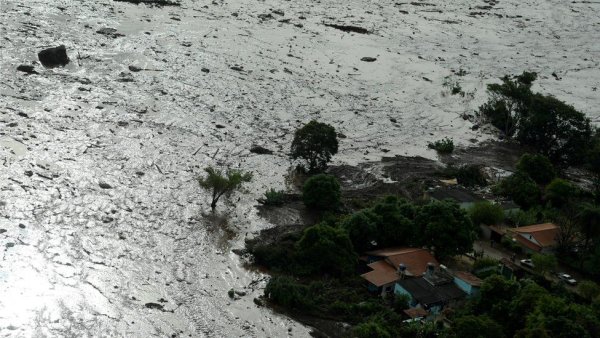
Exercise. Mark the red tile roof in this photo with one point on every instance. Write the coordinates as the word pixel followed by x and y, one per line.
pixel 383 273
pixel 468 277
pixel 417 312
pixel 415 259
pixel 544 234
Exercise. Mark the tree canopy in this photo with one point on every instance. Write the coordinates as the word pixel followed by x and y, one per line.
pixel 322 192
pixel 315 143
pixel 326 250
pixel 222 184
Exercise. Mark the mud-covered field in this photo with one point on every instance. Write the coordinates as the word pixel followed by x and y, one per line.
pixel 103 229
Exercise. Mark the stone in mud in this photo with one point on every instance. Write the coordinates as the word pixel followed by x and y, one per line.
pixel 157 3
pixel 348 28
pixel 2 231
pixel 135 69
pixel 110 32
pixel 27 69
pixel 368 59
pixel 259 302
pixel 205 70
pixel 54 57
pixel 104 185
pixel 154 306
pixel 261 150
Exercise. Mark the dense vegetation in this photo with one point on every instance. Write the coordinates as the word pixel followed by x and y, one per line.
pixel 315 143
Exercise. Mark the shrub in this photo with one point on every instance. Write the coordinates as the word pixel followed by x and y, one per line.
pixel 469 175
pixel 519 218
pixel 484 263
pixel 538 167
pixel 222 184
pixel 285 291
pixel 371 329
pixel 274 197
pixel 322 192
pixel 487 213
pixel 315 143
pixel 521 189
pixel 444 146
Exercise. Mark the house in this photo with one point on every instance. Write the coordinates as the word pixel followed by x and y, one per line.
pixel 432 292
pixel 415 314
pixel 541 238
pixel 465 198
pixel 387 266
pixel 467 282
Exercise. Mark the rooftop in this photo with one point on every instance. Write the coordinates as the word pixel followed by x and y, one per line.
pixel 468 278
pixel 414 259
pixel 427 294
pixel 544 234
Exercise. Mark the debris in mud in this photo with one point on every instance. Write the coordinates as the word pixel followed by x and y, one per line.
pixel 104 185
pixel 135 69
pixel 237 68
pixel 54 57
pixel 154 306
pixel 125 77
pixel 110 32
pixel 265 17
pixel 261 150
pixel 205 70
pixel 27 69
pixel 158 3
pixel 348 29
pixel 368 59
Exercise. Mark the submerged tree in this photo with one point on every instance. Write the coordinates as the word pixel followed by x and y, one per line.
pixel 220 184
pixel 315 143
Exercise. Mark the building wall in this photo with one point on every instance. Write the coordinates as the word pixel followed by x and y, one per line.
pixel 399 290
pixel 466 287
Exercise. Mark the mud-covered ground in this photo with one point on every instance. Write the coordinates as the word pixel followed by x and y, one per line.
pixel 102 227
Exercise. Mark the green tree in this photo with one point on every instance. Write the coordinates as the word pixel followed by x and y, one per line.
pixel 220 184
pixel 371 329
pixel 361 228
pixel 322 192
pixel 521 189
pixel 543 263
pixel 315 143
pixel 588 290
pixel 560 192
pixel 487 213
pixel 588 221
pixel 394 224
pixel 285 291
pixel 538 167
pixel 327 250
pixel 555 129
pixel 477 327
pixel 554 317
pixel 523 304
pixel 495 295
pixel 508 101
pixel 445 228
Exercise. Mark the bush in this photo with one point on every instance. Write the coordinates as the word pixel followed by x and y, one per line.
pixel 315 143
pixel 444 146
pixel 274 197
pixel 484 263
pixel 538 167
pixel 371 329
pixel 322 192
pixel 487 213
pixel 519 218
pixel 521 189
pixel 467 175
pixel 285 291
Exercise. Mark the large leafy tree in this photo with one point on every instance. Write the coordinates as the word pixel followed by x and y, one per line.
pixel 560 192
pixel 395 226
pixel 544 263
pixel 220 184
pixel 315 143
pixel 507 102
pixel 538 167
pixel 477 327
pixel 326 250
pixel 588 220
pixel 555 129
pixel 445 228
pixel 521 189
pixel 361 228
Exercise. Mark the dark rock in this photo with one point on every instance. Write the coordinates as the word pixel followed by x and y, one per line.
pixel 427 79
pixel 28 173
pixel 220 126
pixel 104 185
pixel 110 32
pixel 368 59
pixel 155 306
pixel 259 302
pixel 278 12
pixel 22 226
pixel 260 150
pixel 475 127
pixel 205 70
pixel 54 57
pixel 393 120
pixel 135 69
pixel 556 76
pixel 125 77
pixel 10 245
pixel 265 17
pixel 158 3
pixel 237 68
pixel 2 231
pixel 27 69
pixel 348 29
pixel 122 123
pixel 23 114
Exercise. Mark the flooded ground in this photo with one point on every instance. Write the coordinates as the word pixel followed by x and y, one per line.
pixel 103 229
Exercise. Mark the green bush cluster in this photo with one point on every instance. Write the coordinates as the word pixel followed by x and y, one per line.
pixel 443 146
pixel 485 212
pixel 469 175
pixel 322 192
pixel 274 197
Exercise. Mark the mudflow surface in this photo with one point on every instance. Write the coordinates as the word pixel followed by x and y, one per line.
pixel 104 230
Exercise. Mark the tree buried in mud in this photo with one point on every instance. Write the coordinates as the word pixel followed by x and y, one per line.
pixel 222 184
pixel 315 143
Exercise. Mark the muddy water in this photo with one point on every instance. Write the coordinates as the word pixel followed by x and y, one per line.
pixel 81 258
